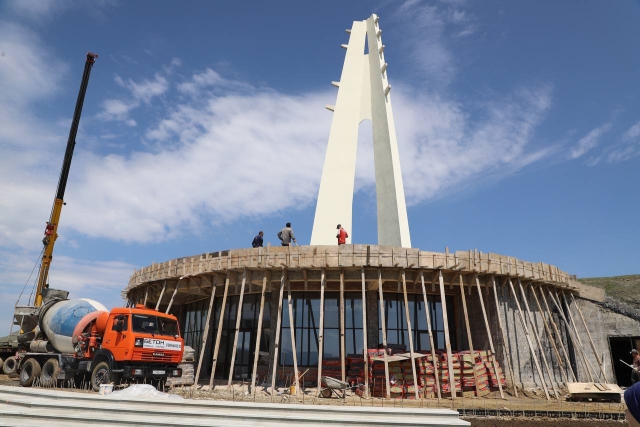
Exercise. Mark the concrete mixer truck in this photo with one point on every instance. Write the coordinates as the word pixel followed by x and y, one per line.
pixel 61 339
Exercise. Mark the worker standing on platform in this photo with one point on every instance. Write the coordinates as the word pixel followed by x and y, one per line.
pixel 286 235
pixel 342 235
pixel 257 241
pixel 635 372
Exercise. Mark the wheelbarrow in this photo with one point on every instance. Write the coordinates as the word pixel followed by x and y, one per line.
pixel 333 386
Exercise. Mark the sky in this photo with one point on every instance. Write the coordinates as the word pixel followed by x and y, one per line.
pixel 518 126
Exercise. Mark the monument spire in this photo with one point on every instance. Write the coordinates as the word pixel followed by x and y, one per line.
pixel 363 94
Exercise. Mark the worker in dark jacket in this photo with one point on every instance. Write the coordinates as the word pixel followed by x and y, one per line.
pixel 257 241
pixel 342 235
pixel 635 372
pixel 632 399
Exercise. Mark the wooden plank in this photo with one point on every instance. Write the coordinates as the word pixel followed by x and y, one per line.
pixel 558 335
pixel 505 343
pixel 537 337
pixel 146 295
pixel 447 341
pixel 526 333
pixel 175 291
pixel 219 332
pixel 364 334
pixel 433 348
pixel 593 347
pixel 571 333
pixel 323 282
pixel 205 334
pixel 256 354
pixel 584 354
pixel 237 331
pixel 410 333
pixel 490 336
pixel 342 337
pixel 292 330
pixel 550 337
pixel 164 286
pixel 384 334
pixel 469 337
pixel 276 348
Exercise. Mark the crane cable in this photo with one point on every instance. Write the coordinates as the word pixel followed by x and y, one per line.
pixel 27 282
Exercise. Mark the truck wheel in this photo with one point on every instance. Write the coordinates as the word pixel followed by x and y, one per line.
pixel 29 371
pixel 9 367
pixel 49 375
pixel 101 374
pixel 1 363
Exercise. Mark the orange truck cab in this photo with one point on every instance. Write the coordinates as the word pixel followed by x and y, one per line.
pixel 138 344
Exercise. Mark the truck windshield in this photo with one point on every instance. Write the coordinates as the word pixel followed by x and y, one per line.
pixel 155 325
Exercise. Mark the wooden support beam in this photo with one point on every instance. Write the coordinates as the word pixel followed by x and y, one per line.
pixel 276 349
pixel 237 331
pixel 364 334
pixel 550 337
pixel 416 382
pixel 431 344
pixel 505 342
pixel 526 333
pixel 323 282
pixel 384 335
pixel 558 335
pixel 219 332
pixel 256 354
pixel 205 334
pixel 175 291
pixel 146 295
pixel 584 354
pixel 447 341
pixel 574 340
pixel 292 331
pixel 342 337
pixel 164 286
pixel 469 337
pixel 593 347
pixel 490 336
pixel 537 337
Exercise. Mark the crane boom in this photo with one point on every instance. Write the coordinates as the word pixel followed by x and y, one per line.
pixel 52 225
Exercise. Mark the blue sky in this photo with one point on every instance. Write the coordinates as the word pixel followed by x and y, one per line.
pixel 204 122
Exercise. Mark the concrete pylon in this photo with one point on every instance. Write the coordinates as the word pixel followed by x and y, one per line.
pixel 363 93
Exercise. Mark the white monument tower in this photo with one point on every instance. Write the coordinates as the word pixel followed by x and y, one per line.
pixel 363 93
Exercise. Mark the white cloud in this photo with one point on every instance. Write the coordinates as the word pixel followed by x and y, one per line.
pixel 633 132
pixel 37 9
pixel 627 148
pixel 589 141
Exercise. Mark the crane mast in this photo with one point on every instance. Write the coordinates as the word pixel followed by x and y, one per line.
pixel 50 232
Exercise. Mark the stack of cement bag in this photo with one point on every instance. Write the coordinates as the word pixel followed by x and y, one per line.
pixel 188 374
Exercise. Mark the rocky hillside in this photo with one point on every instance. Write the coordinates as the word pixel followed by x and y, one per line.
pixel 622 293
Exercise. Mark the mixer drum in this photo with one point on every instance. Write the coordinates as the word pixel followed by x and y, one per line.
pixel 62 318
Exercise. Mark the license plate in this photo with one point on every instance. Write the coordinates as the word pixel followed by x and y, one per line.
pixel 158 372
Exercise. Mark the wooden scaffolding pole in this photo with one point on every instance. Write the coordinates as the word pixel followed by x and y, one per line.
pixel 469 337
pixel 488 328
pixel 550 337
pixel 175 291
pixel 575 330
pixel 447 341
pixel 342 337
pixel 219 332
pixel 276 348
pixel 526 334
pixel 364 334
pixel 205 334
pixel 574 340
pixel 505 343
pixel 537 337
pixel 256 354
pixel 558 335
pixel 384 335
pixel 146 295
pixel 593 346
pixel 434 359
pixel 407 313
pixel 164 286
pixel 237 331
pixel 292 330
pixel 323 282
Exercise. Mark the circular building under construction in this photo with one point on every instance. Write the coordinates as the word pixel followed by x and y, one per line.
pixel 394 320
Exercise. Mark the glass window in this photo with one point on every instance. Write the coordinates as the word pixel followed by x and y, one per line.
pixel 155 325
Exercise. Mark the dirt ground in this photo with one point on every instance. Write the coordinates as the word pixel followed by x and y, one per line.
pixel 497 422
